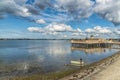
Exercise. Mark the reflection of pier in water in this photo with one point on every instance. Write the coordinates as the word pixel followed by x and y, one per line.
pixel 90 50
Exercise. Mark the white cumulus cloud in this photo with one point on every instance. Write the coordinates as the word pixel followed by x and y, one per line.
pixel 99 29
pixel 75 34
pixel 40 21
pixel 35 29
pixel 52 28
pixel 89 30
pixel 58 27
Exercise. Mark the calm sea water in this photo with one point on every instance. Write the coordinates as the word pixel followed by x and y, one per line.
pixel 44 55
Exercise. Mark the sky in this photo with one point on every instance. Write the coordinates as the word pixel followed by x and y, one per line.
pixel 59 19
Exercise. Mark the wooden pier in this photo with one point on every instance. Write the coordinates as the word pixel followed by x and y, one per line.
pixel 91 43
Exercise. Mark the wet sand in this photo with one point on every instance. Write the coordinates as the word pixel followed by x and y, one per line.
pixel 106 69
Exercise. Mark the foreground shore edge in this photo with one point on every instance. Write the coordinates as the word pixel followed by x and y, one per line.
pixel 89 70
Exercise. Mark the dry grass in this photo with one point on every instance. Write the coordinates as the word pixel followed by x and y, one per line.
pixel 49 76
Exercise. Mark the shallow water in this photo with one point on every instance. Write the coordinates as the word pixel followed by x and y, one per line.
pixel 44 55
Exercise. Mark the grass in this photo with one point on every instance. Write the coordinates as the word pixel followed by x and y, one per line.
pixel 49 76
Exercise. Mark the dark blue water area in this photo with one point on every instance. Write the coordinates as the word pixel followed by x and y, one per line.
pixel 47 55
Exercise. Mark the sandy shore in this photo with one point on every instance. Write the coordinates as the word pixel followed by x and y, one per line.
pixel 106 69
pixel 110 73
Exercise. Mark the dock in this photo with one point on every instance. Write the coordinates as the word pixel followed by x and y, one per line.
pixel 93 43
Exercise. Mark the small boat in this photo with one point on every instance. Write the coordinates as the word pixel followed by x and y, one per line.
pixel 76 62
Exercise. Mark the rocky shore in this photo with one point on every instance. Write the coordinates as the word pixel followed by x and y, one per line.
pixel 87 71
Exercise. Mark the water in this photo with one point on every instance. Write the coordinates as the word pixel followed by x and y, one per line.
pixel 44 55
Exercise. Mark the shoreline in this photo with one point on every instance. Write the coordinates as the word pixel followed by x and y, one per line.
pixel 89 70
pixel 83 73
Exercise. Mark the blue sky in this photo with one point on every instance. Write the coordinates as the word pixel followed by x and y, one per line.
pixel 59 18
